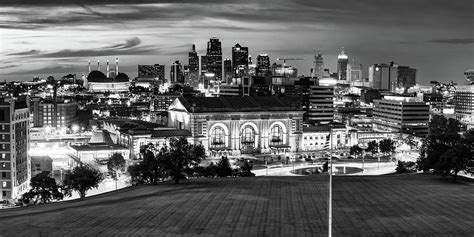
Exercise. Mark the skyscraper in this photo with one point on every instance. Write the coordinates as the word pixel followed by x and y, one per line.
pixel 228 72
pixel 214 58
pixel 193 67
pixel 15 163
pixel 318 68
pixel 263 64
pixel 342 61
pixel 176 72
pixel 240 56
pixel 321 104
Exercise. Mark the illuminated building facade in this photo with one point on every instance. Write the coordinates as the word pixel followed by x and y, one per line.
pixel 15 162
pixel 228 72
pixel 321 104
pixel 54 115
pixel 239 125
pixel 401 114
pixel 354 72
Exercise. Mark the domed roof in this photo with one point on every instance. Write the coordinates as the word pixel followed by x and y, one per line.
pixel 342 55
pixel 122 77
pixel 96 76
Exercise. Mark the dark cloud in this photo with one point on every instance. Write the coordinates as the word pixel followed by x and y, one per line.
pixel 454 41
pixel 28 53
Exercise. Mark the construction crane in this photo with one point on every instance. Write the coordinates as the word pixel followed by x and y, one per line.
pixel 288 59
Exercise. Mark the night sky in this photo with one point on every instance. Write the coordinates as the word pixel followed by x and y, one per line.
pixel 55 38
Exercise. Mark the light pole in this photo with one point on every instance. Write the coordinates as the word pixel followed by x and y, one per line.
pixel 330 187
pixel 363 147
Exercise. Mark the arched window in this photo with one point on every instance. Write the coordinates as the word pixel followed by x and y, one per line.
pixel 276 135
pixel 248 134
pixel 217 137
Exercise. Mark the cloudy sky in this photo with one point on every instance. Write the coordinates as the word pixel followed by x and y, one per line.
pixel 55 37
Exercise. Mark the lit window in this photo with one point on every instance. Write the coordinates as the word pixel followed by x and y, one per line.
pixel 4 184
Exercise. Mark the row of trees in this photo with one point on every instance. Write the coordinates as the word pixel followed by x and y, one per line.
pixel 178 160
pixel 44 188
pixel 385 146
pixel 445 151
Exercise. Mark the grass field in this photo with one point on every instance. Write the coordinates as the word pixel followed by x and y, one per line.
pixel 415 205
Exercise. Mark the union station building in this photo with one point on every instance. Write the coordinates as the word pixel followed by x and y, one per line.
pixel 239 125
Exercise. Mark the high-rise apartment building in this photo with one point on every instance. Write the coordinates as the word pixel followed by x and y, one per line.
pixel 176 72
pixel 321 104
pixel 383 76
pixel 240 56
pixel 318 68
pixel 214 58
pixel 401 114
pixel 342 60
pixel 15 163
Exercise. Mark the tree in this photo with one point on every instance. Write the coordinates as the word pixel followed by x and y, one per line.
pixel 444 150
pixel 116 164
pixel 387 146
pixel 180 156
pixel 405 167
pixel 223 167
pixel 453 160
pixel 81 179
pixel 245 170
pixel 149 170
pixel 43 190
pixel 172 161
pixel 355 150
pixel 373 147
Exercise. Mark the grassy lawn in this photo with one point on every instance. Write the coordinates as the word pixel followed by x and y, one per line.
pixel 416 205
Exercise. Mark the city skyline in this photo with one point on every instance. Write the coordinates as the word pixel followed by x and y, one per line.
pixel 57 39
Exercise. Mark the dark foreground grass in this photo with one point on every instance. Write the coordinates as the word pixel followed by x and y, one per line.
pixel 415 205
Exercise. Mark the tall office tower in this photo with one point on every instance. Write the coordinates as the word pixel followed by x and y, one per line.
pixel 263 65
pixel 383 76
pixel 354 71
pixel 193 67
pixel 214 58
pixel 240 57
pixel 14 159
pixel 342 60
pixel 321 104
pixel 464 104
pixel 228 72
pixel 176 73
pixel 152 71
pixel 406 77
pixel 318 68
pixel 401 114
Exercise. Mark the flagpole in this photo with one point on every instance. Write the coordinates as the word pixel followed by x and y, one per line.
pixel 330 188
